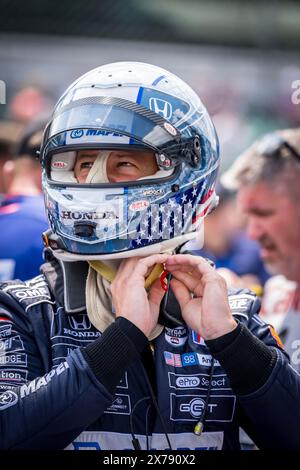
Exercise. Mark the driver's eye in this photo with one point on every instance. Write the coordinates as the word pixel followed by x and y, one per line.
pixel 125 164
pixel 85 165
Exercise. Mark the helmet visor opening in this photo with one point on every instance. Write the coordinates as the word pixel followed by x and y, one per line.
pixel 90 166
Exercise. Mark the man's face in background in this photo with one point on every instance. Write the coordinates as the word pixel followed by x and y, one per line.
pixel 273 219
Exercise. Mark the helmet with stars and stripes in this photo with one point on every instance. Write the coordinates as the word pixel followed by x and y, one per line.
pixel 130 159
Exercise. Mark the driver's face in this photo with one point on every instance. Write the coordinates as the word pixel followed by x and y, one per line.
pixel 121 165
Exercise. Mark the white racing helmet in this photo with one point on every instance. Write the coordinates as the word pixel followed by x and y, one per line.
pixel 115 108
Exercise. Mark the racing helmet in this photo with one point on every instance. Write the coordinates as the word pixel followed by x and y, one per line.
pixel 119 107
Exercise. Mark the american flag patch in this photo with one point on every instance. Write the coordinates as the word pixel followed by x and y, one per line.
pixel 172 359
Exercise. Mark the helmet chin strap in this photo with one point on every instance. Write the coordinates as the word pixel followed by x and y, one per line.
pixel 108 272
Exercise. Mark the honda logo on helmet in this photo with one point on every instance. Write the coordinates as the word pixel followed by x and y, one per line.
pixel 80 322
pixel 161 107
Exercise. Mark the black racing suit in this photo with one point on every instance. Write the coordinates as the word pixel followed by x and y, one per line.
pixel 64 384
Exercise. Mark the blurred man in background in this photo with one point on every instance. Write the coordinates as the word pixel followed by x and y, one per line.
pixel 22 214
pixel 228 246
pixel 10 134
pixel 267 176
pixel 5 155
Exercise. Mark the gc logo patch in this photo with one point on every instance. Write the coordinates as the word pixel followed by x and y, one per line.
pixel 195 407
pixel 190 407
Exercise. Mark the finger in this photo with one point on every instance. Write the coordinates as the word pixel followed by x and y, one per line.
pixel 185 269
pixel 181 292
pixel 134 270
pixel 127 265
pixel 189 260
pixel 191 283
pixel 156 293
pixel 143 265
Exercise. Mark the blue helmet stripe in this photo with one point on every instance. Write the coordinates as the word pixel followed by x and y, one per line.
pixel 158 79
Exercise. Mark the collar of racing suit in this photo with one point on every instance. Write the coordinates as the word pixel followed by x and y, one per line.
pixel 67 283
pixel 67 280
pixel 79 288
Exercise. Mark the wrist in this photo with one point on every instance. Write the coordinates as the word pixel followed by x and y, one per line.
pixel 142 327
pixel 133 332
pixel 221 330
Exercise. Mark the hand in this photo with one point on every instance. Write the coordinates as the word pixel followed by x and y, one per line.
pixel 130 297
pixel 231 278
pixel 202 295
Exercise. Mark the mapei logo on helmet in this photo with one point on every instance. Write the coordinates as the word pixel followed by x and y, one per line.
pixel 7 399
pixel 176 336
pixel 161 107
pixel 95 132
pixel 77 133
